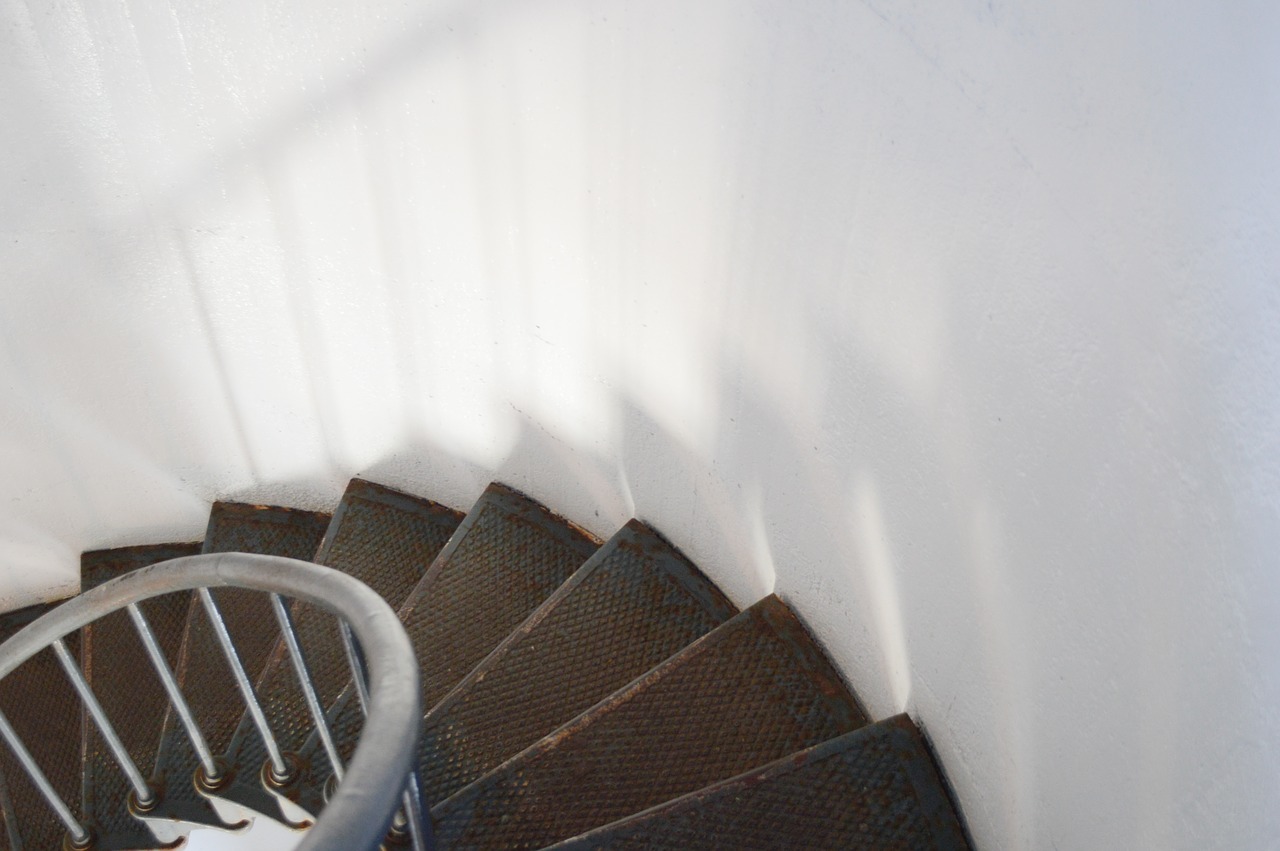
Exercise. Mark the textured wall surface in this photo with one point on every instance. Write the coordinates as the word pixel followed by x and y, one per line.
pixel 956 323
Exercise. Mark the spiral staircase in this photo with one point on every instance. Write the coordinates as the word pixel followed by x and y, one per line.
pixel 577 694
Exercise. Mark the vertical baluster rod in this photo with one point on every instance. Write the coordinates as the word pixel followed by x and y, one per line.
pixel 170 683
pixel 78 834
pixel 141 790
pixel 242 681
pixel 308 685
pixel 411 811
pixel 358 673
pixel 420 834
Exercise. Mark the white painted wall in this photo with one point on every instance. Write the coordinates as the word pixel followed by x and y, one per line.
pixel 263 834
pixel 956 323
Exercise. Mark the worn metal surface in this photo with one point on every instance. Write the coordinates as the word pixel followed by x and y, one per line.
pixel 358 815
pixel 634 604
pixel 116 667
pixel 645 765
pixel 508 555
pixel 10 623
pixel 875 788
pixel 36 823
pixel 202 669
pixel 76 832
pixel 43 709
pixel 753 690
pixel 387 540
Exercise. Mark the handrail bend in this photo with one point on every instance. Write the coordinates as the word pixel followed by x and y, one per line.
pixel 357 816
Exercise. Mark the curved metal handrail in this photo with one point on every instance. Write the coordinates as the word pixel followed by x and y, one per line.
pixel 371 788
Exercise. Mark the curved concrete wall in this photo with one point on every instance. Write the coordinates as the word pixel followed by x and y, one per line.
pixel 954 323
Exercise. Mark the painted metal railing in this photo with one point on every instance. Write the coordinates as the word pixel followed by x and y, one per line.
pixel 372 792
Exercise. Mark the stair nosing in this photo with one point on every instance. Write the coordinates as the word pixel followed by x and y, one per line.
pixel 513 502
pixel 635 687
pixel 370 491
pixel 924 776
pixel 557 597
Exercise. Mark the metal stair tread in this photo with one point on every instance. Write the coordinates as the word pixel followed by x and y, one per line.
pixel 62 713
pixel 633 604
pixel 386 539
pixel 117 668
pixel 508 555
pixel 874 788
pixel 18 793
pixel 505 558
pixel 580 695
pixel 44 710
pixel 751 691
pixel 233 527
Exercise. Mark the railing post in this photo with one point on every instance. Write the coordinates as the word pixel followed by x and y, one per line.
pixel 161 665
pixel 355 659
pixel 278 766
pixel 143 795
pixel 308 686
pixel 411 814
pixel 420 832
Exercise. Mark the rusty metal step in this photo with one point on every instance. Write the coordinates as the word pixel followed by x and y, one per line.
pixel 507 557
pixel 874 788
pixel 202 670
pixel 11 840
pixel 635 603
pixel 117 668
pixel 751 691
pixel 384 538
pixel 45 711
pixel 509 554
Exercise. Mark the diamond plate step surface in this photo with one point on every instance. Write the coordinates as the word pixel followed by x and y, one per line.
pixel 509 555
pixel 10 623
pixel 387 540
pixel 634 604
pixel 752 691
pixel 44 710
pixel 549 722
pixel 875 788
pixel 117 668
pixel 202 669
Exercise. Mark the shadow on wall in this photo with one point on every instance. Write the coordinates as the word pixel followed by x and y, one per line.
pixel 115 233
